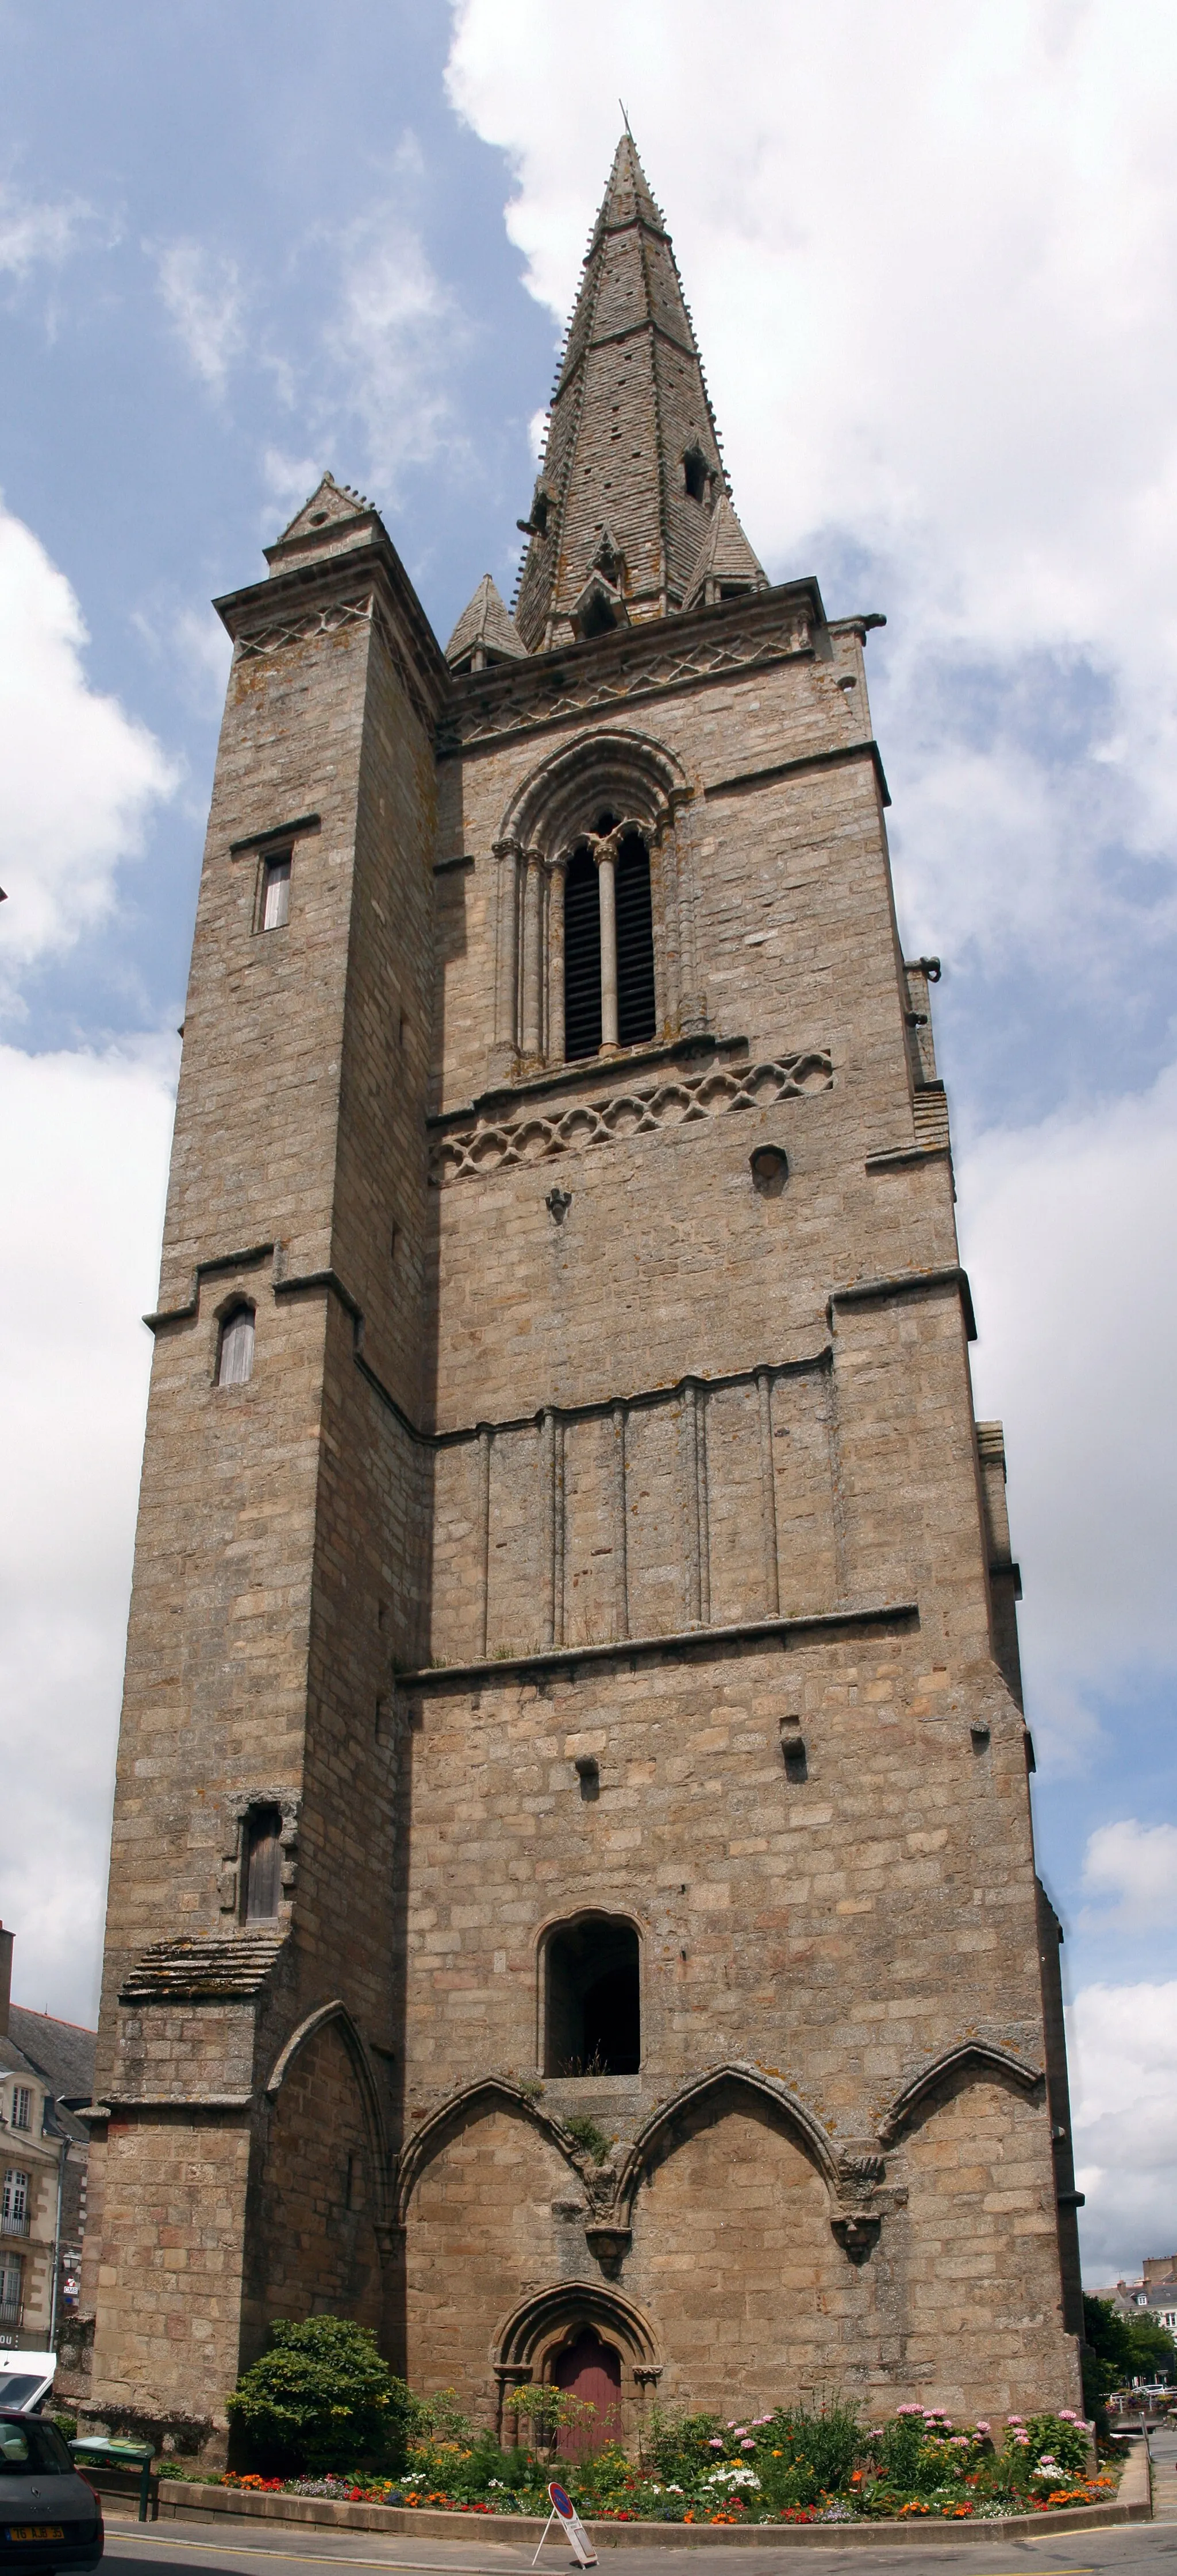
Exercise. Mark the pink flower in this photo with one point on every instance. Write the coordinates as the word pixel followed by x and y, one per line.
pixel 715 2443
pixel 981 2428
pixel 747 2446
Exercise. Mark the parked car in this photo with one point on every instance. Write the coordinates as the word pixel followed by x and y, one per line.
pixel 25 2379
pixel 49 2518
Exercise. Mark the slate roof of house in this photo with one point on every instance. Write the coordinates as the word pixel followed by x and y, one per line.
pixel 61 2053
pixel 630 407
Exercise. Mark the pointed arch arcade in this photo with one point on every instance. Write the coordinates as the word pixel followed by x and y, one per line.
pixel 591 900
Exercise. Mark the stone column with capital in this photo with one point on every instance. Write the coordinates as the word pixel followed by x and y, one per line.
pixel 531 1015
pixel 605 854
pixel 557 869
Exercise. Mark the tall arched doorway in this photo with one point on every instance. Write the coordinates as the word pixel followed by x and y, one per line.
pixel 591 2370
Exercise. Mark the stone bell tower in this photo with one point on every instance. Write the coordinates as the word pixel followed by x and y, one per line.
pixel 572 1896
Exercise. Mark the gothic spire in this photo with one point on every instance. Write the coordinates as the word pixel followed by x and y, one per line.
pixel 631 469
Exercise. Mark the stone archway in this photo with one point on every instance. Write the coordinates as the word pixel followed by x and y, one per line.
pixel 573 2327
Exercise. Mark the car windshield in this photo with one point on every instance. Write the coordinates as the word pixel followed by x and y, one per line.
pixel 29 2446
pixel 16 2387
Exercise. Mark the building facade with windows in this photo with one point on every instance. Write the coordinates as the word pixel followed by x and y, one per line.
pixel 572 1899
pixel 44 2151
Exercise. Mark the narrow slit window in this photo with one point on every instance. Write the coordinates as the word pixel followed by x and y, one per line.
pixel 263 1864
pixel 235 1356
pixel 635 943
pixel 582 959
pixel 276 891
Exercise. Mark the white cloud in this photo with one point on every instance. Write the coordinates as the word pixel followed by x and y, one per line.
pixel 83 1159
pixel 1122 2044
pixel 80 775
pixel 1137 1865
pixel 1069 1231
pixel 33 233
pixel 932 259
pixel 203 296
pixel 395 336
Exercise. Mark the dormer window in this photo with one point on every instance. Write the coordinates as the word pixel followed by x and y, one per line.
pixel 22 2106
pixel 275 896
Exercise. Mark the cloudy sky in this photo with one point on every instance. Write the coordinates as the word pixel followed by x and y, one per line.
pixel 932 258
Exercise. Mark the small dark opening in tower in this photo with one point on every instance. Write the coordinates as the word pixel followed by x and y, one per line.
pixel 582 959
pixel 635 943
pixel 263 1864
pixel 695 473
pixel 598 615
pixel 593 1999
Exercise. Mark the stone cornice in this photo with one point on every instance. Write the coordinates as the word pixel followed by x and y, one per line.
pixel 785 624
pixel 676 1645
pixel 367 579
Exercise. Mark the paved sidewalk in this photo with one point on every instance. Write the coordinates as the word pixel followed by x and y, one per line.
pixel 1163 2446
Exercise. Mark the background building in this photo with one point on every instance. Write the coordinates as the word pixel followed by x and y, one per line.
pixel 46 2073
pixel 572 1895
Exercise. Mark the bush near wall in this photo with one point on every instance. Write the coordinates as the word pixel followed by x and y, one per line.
pixel 320 2394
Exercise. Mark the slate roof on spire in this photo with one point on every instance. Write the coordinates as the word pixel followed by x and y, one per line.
pixel 484 628
pixel 726 562
pixel 632 444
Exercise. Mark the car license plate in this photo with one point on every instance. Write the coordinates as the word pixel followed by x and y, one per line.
pixel 36 2531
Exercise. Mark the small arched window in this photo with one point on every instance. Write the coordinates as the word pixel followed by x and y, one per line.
pixel 593 1998
pixel 235 1350
pixel 263 1863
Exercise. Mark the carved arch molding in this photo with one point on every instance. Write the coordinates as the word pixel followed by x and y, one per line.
pixel 553 809
pixel 335 2016
pixel 855 2178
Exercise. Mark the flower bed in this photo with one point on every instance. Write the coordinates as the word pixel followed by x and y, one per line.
pixel 789 2466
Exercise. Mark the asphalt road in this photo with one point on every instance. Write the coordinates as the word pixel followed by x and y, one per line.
pixel 1135 2549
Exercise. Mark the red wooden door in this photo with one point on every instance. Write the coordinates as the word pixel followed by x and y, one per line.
pixel 591 2370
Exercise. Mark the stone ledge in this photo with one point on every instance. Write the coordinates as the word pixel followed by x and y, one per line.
pixel 677 1643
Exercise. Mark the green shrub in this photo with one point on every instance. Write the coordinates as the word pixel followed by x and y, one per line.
pixel 320 2398
pixel 819 2447
pixel 588 2136
pixel 676 2447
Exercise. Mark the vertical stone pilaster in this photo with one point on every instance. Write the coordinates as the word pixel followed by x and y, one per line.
pixel 620 1531
pixel 772 1575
